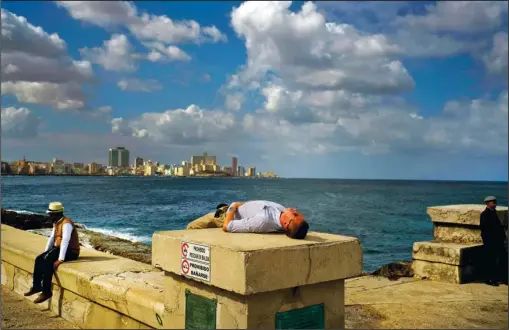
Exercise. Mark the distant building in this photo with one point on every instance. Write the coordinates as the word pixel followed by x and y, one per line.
pixel 118 157
pixel 251 171
pixel 241 171
pixel 138 162
pixel 234 166
pixel 93 168
pixel 150 170
pixel 205 159
pixel 57 161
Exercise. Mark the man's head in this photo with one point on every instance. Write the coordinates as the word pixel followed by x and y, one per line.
pixel 55 211
pixel 294 224
pixel 491 202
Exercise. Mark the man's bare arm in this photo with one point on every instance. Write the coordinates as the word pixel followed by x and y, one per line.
pixel 230 214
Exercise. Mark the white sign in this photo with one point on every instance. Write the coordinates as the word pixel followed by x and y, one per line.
pixel 195 261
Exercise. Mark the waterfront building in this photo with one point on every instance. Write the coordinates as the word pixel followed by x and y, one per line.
pixel 241 171
pixel 251 172
pixel 150 170
pixel 204 159
pixel 234 166
pixel 57 161
pixel 138 162
pixel 92 168
pixel 118 157
pixel 182 171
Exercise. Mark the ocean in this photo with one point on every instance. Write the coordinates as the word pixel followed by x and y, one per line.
pixel 387 216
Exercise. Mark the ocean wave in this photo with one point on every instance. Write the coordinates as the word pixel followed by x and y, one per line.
pixel 122 234
pixel 23 211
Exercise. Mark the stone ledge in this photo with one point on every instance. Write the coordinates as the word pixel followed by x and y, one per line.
pixel 454 233
pixel 468 214
pixel 440 272
pixel 447 253
pixel 253 263
pixel 128 287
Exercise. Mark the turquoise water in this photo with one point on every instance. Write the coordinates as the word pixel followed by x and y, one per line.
pixel 387 216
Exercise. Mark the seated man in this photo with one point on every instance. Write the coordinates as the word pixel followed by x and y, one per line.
pixel 265 217
pixel 63 245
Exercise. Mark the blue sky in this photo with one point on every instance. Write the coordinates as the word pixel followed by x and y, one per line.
pixel 389 90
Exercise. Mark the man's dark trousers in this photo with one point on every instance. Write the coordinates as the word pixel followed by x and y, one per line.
pixel 496 262
pixel 43 268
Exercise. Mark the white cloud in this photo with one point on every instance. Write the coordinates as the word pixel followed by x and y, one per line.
pixel 19 123
pixel 60 96
pixel 17 66
pixel 305 50
pixel 101 13
pixel 234 101
pixel 144 26
pixel 458 16
pixel 36 67
pixel 18 35
pixel 139 85
pixel 114 55
pixel 180 127
pixel 160 53
pixel 496 60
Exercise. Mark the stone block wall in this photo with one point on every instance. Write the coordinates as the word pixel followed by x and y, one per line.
pixel 456 253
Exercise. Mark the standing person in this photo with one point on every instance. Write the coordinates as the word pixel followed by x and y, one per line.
pixel 493 236
pixel 265 217
pixel 63 245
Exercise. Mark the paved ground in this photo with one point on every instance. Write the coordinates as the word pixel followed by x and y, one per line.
pixel 371 302
pixel 376 302
pixel 17 312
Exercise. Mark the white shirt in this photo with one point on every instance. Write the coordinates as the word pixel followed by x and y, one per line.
pixel 66 238
pixel 257 217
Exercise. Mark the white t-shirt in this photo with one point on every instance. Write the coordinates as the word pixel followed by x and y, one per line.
pixel 257 217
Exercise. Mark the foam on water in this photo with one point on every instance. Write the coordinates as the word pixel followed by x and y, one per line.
pixel 123 234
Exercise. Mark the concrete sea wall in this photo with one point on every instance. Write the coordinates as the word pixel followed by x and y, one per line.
pixel 98 290
pixel 246 281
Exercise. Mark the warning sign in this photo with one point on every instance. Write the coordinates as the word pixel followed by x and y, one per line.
pixel 195 261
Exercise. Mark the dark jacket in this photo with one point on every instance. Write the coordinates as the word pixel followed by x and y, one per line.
pixel 492 231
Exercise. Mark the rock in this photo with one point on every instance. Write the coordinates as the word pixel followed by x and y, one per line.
pixel 25 221
pixel 395 270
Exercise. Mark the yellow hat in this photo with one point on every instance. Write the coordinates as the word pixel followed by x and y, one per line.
pixel 55 207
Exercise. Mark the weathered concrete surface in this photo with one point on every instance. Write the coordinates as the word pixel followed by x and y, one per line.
pixel 454 233
pixel 448 253
pixel 100 283
pixel 468 214
pixel 376 302
pixel 254 263
pixel 18 313
pixel 235 311
pixel 446 273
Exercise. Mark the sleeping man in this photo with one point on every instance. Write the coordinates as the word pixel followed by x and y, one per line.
pixel 264 217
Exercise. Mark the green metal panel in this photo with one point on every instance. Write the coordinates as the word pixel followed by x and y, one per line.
pixel 200 312
pixel 311 317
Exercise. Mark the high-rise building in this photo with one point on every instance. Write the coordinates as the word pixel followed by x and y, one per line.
pixel 241 171
pixel 118 157
pixel 138 162
pixel 234 166
pixel 251 171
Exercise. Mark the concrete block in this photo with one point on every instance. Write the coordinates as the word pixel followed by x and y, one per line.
pixel 468 214
pixel 448 253
pixel 453 233
pixel 444 272
pixel 257 311
pixel 255 263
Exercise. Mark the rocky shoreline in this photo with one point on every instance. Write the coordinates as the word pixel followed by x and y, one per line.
pixel 39 224
pixel 142 252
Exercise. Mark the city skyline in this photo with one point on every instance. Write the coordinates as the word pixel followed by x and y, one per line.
pixel 371 90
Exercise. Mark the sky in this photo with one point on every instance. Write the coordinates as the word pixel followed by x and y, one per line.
pixel 365 90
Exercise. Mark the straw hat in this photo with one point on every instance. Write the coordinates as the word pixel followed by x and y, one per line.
pixel 55 207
